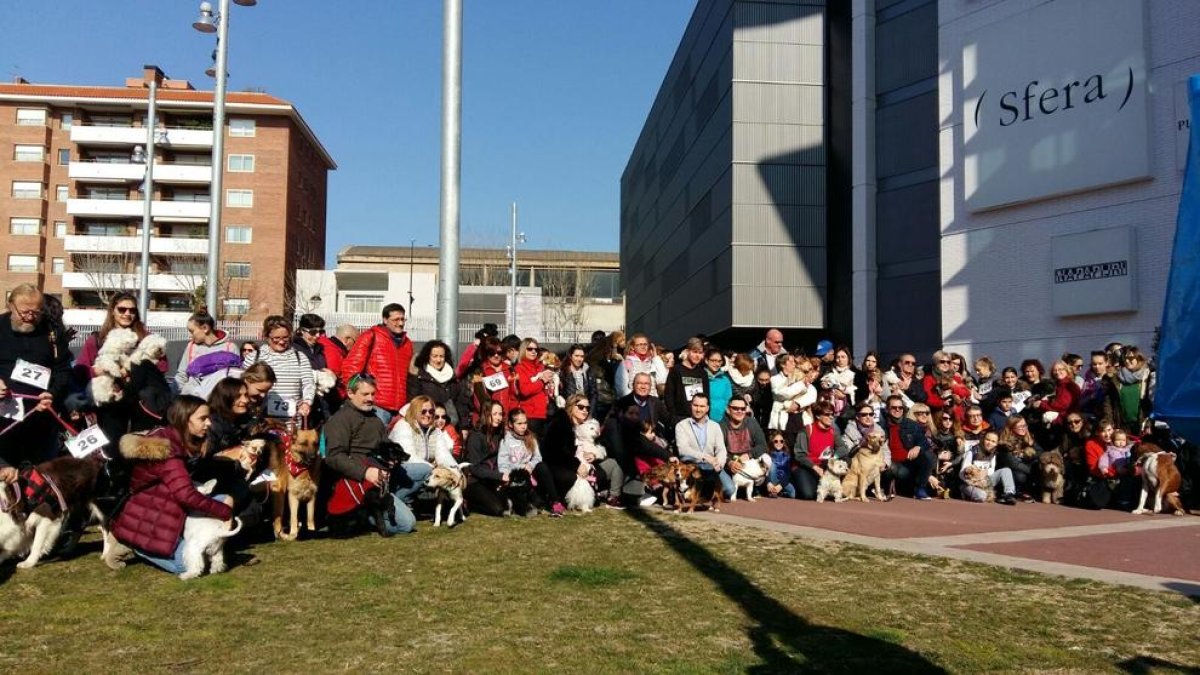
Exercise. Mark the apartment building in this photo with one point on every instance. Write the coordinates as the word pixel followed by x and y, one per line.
pixel 72 171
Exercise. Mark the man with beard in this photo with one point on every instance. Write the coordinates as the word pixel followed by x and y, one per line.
pixel 34 361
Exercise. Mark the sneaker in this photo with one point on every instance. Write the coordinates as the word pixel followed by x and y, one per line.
pixel 1008 499
pixel 648 500
pixel 614 503
pixel 923 496
pixel 557 510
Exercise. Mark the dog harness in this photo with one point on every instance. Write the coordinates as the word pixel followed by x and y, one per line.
pixel 39 488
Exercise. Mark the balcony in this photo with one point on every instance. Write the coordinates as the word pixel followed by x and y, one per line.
pixel 127 172
pixel 83 243
pixel 163 283
pixel 175 138
pixel 170 211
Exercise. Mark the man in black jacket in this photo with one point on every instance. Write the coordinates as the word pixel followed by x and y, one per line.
pixel 685 380
pixel 35 361
pixel 908 444
pixel 650 408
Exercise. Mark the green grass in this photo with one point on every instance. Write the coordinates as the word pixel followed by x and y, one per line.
pixel 604 593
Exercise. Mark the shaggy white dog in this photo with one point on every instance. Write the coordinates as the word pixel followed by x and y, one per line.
pixel 112 365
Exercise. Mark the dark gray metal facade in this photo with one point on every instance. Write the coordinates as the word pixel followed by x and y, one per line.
pixel 723 201
pixel 907 181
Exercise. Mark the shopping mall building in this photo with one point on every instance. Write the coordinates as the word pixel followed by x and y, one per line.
pixel 993 176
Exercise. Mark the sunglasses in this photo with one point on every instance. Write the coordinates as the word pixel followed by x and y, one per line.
pixel 426 411
pixel 313 331
pixel 737 408
pixel 582 406
pixel 866 414
pixel 531 348
pixel 777 441
pixel 920 412
pixel 1074 421
pixel 895 407
pixel 825 415
pixel 439 417
pixel 125 310
pixel 909 363
pixel 944 361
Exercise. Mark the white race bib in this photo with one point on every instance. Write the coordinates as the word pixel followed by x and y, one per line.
pixel 690 390
pixel 280 407
pixel 31 374
pixel 87 442
pixel 969 446
pixel 495 382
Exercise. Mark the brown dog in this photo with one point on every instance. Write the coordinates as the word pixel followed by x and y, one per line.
pixel 866 468
pixel 665 477
pixel 297 473
pixel 696 489
pixel 1159 476
pixel 51 492
pixel 1051 464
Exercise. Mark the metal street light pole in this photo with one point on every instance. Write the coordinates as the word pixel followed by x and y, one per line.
pixel 148 197
pixel 412 252
pixel 448 256
pixel 207 23
pixel 517 238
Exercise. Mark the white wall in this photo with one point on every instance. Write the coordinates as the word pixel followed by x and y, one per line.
pixel 997 277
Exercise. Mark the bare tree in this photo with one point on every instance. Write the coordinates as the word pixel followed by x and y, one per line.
pixel 563 303
pixel 106 272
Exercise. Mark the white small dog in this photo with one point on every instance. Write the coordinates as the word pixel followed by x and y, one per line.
pixel 151 348
pixel 204 541
pixel 754 472
pixel 325 380
pixel 112 365
pixel 449 482
pixel 831 480
pixel 581 497
pixel 14 537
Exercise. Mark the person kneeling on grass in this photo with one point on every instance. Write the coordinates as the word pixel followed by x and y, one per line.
pixel 980 476
pixel 352 436
pixel 161 492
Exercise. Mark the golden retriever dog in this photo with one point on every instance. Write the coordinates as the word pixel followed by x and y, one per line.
pixel 297 472
pixel 866 468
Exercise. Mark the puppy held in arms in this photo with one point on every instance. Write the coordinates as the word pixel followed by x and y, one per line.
pixel 204 541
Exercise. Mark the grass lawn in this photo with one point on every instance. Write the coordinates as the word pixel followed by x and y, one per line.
pixel 604 593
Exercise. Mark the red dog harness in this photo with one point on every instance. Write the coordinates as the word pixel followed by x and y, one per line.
pixel 38 490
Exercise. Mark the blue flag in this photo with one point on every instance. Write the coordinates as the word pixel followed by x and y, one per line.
pixel 1177 399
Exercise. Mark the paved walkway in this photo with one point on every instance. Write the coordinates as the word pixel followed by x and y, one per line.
pixel 1153 552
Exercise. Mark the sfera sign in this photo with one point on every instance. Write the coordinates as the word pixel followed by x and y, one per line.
pixel 1054 101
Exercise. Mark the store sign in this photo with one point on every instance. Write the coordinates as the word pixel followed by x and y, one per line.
pixel 1093 272
pixel 1054 101
pixel 1183 124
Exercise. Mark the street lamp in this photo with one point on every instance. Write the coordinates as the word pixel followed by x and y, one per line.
pixel 517 238
pixel 146 157
pixel 217 22
pixel 412 252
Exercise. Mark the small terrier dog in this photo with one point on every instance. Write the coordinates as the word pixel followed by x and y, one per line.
pixel 1161 477
pixel 831 480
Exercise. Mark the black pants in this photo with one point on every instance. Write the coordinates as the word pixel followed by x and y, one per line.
pixel 1022 471
pixel 805 481
pixel 913 474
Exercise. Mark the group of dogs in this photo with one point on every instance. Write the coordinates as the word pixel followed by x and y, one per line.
pixel 35 509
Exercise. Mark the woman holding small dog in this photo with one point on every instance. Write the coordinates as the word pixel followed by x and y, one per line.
pixel 122 313
pixel 161 491
pixel 567 461
pixel 531 378
pixel 980 476
pixel 1019 452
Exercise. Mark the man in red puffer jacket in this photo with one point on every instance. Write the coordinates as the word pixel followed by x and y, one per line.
pixel 384 352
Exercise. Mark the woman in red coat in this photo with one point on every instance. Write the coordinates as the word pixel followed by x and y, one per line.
pixel 533 379
pixel 161 492
pixel 492 379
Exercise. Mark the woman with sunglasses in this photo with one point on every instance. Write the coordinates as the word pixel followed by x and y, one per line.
pixel 307 341
pixel 491 379
pixel 533 384
pixel 426 445
pixel 816 444
pixel 1129 391
pixel 559 448
pixel 122 313
pixel 295 388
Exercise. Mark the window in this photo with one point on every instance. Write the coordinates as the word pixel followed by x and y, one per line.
pixel 241 127
pixel 60 228
pixel 237 270
pixel 238 234
pixel 67 120
pixel 242 199
pixel 601 284
pixel 25 226
pixel 96 192
pixel 25 190
pixel 23 263
pixel 103 229
pixel 557 283
pixel 29 153
pixel 362 304
pixel 64 156
pixel 241 163
pixel 58 265
pixel 31 117
pixel 62 193
pixel 237 306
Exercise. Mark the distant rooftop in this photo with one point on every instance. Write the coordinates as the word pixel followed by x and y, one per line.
pixel 403 253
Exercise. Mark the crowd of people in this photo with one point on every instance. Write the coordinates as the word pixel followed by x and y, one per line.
pixel 525 424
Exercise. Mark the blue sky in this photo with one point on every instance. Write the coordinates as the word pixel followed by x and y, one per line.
pixel 554 95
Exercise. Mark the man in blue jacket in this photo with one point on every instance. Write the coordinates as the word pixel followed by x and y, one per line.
pixel 908 443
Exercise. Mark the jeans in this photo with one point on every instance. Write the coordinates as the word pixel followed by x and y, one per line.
pixel 1003 476
pixel 707 469
pixel 804 483
pixel 407 481
pixel 384 415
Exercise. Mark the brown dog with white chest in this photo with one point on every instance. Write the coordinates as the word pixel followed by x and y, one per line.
pixel 1160 476
pixel 866 468
pixel 297 473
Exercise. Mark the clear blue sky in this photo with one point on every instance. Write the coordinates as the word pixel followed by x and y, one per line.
pixel 554 96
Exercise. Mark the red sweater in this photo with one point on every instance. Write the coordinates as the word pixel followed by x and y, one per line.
pixel 531 393
pixel 819 440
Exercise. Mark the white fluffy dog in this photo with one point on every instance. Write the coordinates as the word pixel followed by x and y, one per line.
pixel 325 380
pixel 754 472
pixel 582 495
pixel 14 538
pixel 112 365
pixel 831 480
pixel 150 349
pixel 204 541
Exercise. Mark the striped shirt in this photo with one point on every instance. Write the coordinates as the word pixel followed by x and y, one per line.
pixel 293 373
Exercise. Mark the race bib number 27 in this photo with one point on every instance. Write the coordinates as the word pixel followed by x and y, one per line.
pixel 31 374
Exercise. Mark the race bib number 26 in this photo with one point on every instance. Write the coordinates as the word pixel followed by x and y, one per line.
pixel 87 442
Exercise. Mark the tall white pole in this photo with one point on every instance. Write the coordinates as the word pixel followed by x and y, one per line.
pixel 512 325
pixel 216 197
pixel 448 255
pixel 148 199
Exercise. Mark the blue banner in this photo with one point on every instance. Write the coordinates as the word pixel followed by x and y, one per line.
pixel 1178 397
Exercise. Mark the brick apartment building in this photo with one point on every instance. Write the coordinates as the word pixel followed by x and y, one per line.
pixel 71 204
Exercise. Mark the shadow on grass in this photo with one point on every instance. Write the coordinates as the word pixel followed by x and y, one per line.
pixel 1189 590
pixel 1143 665
pixel 784 641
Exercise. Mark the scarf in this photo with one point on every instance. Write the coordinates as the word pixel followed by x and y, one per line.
pixel 740 380
pixel 442 376
pixel 1128 376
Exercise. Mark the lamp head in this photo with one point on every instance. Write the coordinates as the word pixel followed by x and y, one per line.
pixel 207 22
pixel 138 156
